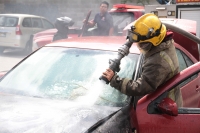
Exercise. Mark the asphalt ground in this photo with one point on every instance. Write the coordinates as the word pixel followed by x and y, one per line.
pixel 10 58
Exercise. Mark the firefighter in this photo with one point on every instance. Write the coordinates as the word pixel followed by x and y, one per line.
pixel 160 59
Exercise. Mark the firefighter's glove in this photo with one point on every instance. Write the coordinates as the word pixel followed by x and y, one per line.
pixel 108 74
pixel 115 80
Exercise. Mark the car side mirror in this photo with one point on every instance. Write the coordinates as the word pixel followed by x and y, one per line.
pixel 168 106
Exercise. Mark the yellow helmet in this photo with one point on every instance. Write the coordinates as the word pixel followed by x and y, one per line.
pixel 148 28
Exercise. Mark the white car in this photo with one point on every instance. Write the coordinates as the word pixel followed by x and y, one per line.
pixel 17 29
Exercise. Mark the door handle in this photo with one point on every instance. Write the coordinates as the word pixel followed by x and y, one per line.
pixel 197 88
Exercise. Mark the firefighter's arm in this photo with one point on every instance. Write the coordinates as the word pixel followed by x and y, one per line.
pixel 130 87
pixel 114 79
pixel 147 83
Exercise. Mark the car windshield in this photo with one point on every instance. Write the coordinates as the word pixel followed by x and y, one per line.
pixel 8 21
pixel 69 74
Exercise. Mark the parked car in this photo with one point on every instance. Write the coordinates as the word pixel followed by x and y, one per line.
pixel 57 89
pixel 16 30
pixel 45 37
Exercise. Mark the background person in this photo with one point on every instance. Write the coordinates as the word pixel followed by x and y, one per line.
pixel 62 25
pixel 103 21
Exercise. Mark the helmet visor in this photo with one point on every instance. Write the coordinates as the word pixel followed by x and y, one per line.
pixel 134 36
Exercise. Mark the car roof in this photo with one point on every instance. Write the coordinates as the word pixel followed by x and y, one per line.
pixel 185 24
pixel 20 15
pixel 126 8
pixel 110 43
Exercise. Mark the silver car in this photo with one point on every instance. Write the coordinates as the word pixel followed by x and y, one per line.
pixel 16 30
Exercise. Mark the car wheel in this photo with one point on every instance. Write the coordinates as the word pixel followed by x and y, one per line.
pixel 1 50
pixel 28 47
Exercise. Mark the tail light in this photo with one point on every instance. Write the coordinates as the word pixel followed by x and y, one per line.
pixel 18 31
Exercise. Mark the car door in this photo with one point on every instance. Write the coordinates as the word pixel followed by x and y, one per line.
pixel 151 120
pixel 186 90
pixel 26 30
pixel 184 62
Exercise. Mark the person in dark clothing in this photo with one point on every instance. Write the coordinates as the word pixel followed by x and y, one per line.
pixel 62 25
pixel 160 60
pixel 103 21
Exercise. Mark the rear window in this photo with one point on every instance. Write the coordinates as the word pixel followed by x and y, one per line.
pixel 122 19
pixel 6 21
pixel 47 24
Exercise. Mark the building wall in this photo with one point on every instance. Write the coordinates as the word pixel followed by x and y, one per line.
pixel 51 9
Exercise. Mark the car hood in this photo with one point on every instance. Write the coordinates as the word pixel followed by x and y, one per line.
pixel 30 114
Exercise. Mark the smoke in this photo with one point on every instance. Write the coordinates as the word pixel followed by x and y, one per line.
pixel 77 9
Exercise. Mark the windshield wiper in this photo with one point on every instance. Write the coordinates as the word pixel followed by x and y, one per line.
pixel 122 113
pixel 100 122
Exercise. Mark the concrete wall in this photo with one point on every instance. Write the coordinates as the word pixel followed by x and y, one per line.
pixel 51 9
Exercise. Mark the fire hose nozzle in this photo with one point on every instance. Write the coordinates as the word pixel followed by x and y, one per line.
pixel 124 50
pixel 114 64
pixel 104 79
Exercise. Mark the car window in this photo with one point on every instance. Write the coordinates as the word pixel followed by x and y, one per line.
pixel 121 20
pixel 187 60
pixel 37 23
pixel 71 74
pixel 189 93
pixel 26 22
pixel 2 20
pixel 184 60
pixel 8 21
pixel 47 24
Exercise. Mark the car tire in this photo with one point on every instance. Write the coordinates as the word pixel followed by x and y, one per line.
pixel 1 50
pixel 28 47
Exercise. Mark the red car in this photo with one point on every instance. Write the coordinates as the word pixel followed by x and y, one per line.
pixel 57 89
pixel 122 14
pixel 45 37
